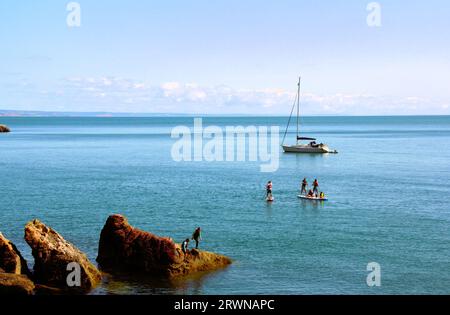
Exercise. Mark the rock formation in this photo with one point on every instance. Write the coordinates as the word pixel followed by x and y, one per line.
pixel 11 261
pixel 14 271
pixel 3 128
pixel 123 248
pixel 52 255
pixel 14 284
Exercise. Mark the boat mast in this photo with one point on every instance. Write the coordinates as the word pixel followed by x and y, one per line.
pixel 298 107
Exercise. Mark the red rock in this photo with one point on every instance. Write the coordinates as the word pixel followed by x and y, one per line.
pixel 123 248
pixel 52 254
pixel 3 128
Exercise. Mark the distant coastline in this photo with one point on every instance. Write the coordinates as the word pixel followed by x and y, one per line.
pixel 25 113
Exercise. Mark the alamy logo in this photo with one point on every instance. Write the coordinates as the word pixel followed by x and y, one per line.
pixel 374 17
pixel 74 16
pixel 74 277
pixel 215 144
pixel 374 276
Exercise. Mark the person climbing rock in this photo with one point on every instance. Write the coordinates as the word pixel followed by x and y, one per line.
pixel 184 247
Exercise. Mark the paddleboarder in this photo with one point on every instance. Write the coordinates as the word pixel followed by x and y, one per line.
pixel 269 190
pixel 304 185
pixel 316 186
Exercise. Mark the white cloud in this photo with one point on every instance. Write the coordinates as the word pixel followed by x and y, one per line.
pixel 116 94
pixel 184 92
pixel 170 86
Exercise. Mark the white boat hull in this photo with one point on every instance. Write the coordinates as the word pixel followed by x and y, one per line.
pixel 306 148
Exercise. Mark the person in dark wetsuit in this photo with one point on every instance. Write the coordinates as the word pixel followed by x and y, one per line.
pixel 197 236
pixel 304 185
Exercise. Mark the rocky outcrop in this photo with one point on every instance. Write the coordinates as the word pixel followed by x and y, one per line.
pixel 200 261
pixel 123 248
pixel 14 284
pixel 52 255
pixel 11 261
pixel 3 128
pixel 14 271
pixel 41 289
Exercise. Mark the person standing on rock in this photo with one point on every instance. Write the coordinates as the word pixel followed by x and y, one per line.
pixel 197 236
pixel 184 246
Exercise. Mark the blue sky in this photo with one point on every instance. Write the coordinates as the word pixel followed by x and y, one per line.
pixel 226 57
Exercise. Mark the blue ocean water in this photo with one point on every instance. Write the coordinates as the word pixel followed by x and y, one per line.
pixel 388 188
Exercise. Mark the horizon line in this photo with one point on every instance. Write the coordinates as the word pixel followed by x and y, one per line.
pixel 74 114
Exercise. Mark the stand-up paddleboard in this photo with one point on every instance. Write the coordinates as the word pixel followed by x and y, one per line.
pixel 270 199
pixel 312 198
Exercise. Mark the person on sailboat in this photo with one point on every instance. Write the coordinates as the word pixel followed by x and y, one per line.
pixel 269 190
pixel 304 185
pixel 316 186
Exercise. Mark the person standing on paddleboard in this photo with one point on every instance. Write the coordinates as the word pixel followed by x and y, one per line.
pixel 304 185
pixel 269 190
pixel 197 236
pixel 316 186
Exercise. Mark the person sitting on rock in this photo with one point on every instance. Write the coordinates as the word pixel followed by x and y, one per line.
pixel 196 236
pixel 184 246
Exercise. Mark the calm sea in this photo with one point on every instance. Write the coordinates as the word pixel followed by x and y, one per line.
pixel 389 188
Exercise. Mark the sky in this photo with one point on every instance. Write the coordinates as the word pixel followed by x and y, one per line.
pixel 226 57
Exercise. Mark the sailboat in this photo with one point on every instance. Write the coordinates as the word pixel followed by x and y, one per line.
pixel 312 146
